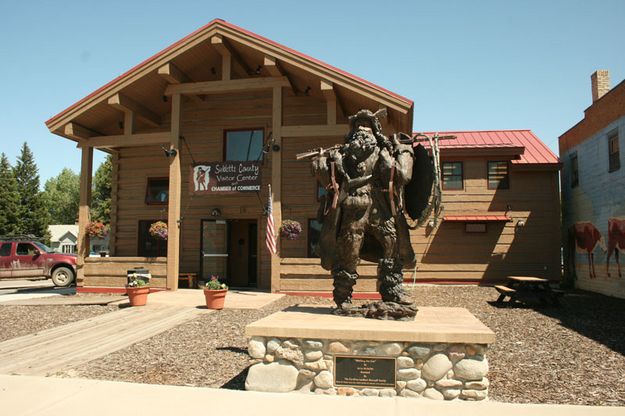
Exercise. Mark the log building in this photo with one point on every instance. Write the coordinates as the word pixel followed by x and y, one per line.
pixel 198 131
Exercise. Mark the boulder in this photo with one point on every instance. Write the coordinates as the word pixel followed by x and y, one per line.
pixel 433 394
pixel 405 362
pixel 337 347
pixel 436 367
pixel 419 351
pixel 408 374
pixel 272 345
pixel 391 349
pixel 417 385
pixel 276 377
pixel 313 355
pixel 470 369
pixel 256 347
pixel 324 380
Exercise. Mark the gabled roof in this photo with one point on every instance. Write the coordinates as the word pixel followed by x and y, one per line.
pixel 244 37
pixel 58 231
pixel 532 150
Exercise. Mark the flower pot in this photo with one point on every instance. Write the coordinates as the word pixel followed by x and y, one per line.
pixel 138 296
pixel 215 298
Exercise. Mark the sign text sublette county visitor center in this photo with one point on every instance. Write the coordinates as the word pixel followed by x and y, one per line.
pixel 225 177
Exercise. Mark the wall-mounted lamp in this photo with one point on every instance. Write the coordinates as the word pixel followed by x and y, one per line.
pixel 216 212
pixel 520 223
pixel 169 152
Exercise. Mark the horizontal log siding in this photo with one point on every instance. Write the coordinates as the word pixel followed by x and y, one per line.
pixel 112 271
pixel 202 126
pixel 448 252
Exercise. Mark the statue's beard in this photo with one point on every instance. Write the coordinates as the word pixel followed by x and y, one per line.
pixel 360 145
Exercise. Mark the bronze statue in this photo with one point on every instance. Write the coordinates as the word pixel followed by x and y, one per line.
pixel 363 213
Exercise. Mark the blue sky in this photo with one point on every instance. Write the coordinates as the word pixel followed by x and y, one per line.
pixel 466 64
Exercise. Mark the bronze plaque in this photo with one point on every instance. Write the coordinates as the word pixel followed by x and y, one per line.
pixel 364 371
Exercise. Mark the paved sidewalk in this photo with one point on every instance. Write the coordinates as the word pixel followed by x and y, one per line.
pixel 21 395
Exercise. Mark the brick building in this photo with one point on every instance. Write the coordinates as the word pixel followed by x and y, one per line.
pixel 593 191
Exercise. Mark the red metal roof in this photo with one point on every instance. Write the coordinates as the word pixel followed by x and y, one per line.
pixel 477 218
pixel 536 152
pixel 239 29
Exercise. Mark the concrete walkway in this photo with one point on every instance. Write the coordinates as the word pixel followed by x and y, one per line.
pixel 20 395
pixel 61 348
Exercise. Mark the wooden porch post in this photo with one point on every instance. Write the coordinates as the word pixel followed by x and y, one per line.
pixel 86 167
pixel 173 216
pixel 276 183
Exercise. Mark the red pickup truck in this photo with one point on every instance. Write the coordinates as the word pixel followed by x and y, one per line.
pixel 29 258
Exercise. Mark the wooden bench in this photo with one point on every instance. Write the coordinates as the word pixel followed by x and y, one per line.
pixel 505 291
pixel 190 278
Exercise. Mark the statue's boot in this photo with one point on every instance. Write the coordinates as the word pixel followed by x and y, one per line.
pixel 344 282
pixel 391 279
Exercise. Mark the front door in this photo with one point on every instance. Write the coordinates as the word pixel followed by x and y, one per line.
pixel 214 261
pixel 28 261
pixel 5 259
pixel 242 253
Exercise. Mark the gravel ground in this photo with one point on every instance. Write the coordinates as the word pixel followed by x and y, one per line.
pixel 16 321
pixel 573 354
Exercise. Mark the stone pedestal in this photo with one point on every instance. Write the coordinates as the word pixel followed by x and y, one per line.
pixel 440 355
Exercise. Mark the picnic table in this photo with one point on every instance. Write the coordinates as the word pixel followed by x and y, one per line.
pixel 528 288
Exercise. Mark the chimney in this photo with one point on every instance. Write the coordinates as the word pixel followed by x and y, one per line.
pixel 600 81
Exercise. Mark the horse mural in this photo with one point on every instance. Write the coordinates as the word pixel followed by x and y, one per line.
pixel 616 242
pixel 586 237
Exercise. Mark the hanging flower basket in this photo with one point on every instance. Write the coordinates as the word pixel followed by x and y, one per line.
pixel 290 229
pixel 97 229
pixel 158 230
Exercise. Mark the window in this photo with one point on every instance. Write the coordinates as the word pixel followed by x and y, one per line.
pixel 321 191
pixel 148 245
pixel 614 162
pixel 475 227
pixel 314 233
pixel 25 249
pixel 574 171
pixel 498 177
pixel 452 175
pixel 157 192
pixel 5 249
pixel 68 248
pixel 243 145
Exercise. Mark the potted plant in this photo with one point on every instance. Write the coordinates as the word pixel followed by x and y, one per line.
pixel 97 229
pixel 215 293
pixel 137 290
pixel 290 229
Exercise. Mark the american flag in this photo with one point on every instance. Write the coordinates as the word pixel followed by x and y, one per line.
pixel 270 236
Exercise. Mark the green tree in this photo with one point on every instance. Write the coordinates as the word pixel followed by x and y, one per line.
pixel 101 197
pixel 9 199
pixel 33 216
pixel 61 196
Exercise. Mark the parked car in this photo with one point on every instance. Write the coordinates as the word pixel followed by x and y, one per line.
pixel 30 258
